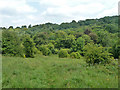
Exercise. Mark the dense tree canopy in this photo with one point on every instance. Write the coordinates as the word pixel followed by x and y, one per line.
pixel 67 38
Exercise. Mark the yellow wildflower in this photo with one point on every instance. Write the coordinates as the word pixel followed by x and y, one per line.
pixel 24 56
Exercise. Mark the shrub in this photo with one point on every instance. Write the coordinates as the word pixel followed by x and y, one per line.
pixel 65 42
pixel 81 52
pixel 116 49
pixel 78 45
pixel 50 46
pixel 96 55
pixel 75 55
pixel 63 53
pixel 68 50
pixel 94 37
pixel 78 55
pixel 87 38
pixel 40 38
pixel 55 51
pixel 38 51
pixel 45 51
pixel 29 46
pixel 87 31
pixel 11 44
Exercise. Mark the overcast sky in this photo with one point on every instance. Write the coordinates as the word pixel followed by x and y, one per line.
pixel 25 12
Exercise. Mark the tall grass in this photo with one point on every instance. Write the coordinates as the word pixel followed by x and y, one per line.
pixel 54 72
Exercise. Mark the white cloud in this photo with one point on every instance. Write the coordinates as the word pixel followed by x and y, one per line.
pixel 21 12
pixel 19 5
pixel 14 12
pixel 77 10
pixel 109 12
pixel 53 2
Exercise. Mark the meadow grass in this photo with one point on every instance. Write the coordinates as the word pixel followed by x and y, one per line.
pixel 54 72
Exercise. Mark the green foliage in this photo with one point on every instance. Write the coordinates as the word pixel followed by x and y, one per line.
pixel 75 55
pixel 45 51
pixel 116 49
pixel 11 27
pixel 52 36
pixel 87 39
pixel 40 38
pixel 60 34
pixel 65 42
pixel 78 45
pixel 50 46
pixel 29 46
pixel 63 53
pixel 87 31
pixel 111 28
pixel 78 34
pixel 11 44
pixel 55 51
pixel 72 36
pixel 94 37
pixel 36 51
pixel 106 39
pixel 78 55
pixel 96 55
pixel 52 72
pixel 69 41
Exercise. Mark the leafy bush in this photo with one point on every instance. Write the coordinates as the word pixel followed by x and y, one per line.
pixel 68 50
pixel 82 53
pixel 96 55
pixel 29 46
pixel 116 49
pixel 78 45
pixel 40 38
pixel 87 31
pixel 75 55
pixel 94 37
pixel 50 46
pixel 45 51
pixel 65 42
pixel 55 51
pixel 11 44
pixel 63 53
pixel 38 51
pixel 78 55
pixel 87 38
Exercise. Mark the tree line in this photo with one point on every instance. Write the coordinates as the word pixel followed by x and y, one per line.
pixel 95 39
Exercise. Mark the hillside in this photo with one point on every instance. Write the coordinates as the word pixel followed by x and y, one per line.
pixel 81 54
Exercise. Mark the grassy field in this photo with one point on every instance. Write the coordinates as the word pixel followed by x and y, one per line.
pixel 53 72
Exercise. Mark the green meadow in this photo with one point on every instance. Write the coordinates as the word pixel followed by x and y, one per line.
pixel 54 72
pixel 76 54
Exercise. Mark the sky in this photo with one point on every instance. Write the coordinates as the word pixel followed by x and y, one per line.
pixel 25 12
